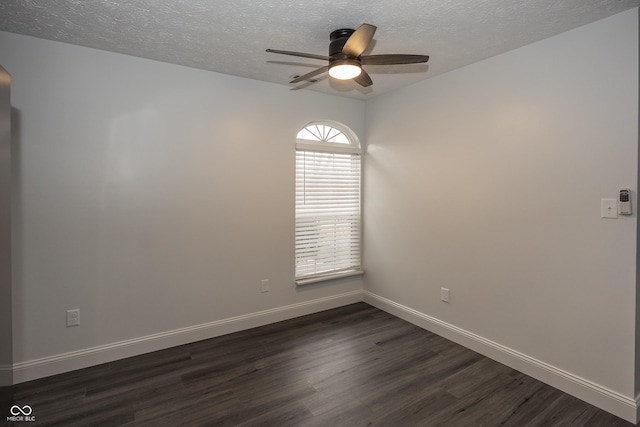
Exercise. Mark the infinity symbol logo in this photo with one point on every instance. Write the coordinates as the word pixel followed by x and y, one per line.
pixel 25 410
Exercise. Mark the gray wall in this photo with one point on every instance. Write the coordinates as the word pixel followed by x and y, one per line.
pixel 152 197
pixel 487 181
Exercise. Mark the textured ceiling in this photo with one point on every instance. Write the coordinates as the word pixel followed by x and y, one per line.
pixel 230 36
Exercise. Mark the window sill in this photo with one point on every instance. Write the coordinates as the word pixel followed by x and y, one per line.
pixel 329 276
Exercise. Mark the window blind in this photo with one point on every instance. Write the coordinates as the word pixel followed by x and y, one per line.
pixel 328 226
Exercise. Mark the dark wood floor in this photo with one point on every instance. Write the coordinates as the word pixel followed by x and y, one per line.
pixel 352 366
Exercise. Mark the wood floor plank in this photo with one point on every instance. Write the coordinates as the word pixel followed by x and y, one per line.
pixel 352 366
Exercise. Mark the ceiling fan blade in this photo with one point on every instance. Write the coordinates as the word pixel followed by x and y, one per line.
pixel 393 59
pixel 363 79
pixel 304 55
pixel 311 74
pixel 359 40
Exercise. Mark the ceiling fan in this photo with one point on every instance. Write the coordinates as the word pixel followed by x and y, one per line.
pixel 345 56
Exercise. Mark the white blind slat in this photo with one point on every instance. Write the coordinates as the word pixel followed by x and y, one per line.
pixel 327 212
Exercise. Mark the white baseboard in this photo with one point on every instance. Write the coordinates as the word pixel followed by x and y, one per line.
pixel 622 406
pixel 52 365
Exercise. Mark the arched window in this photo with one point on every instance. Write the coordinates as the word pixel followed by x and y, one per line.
pixel 323 133
pixel 327 136
pixel 328 211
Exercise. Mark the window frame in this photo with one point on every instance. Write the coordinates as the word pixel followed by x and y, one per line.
pixel 352 147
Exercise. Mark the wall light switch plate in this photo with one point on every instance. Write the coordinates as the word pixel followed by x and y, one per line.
pixel 444 294
pixel 609 208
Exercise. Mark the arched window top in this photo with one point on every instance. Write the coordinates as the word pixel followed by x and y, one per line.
pixel 324 133
pixel 327 136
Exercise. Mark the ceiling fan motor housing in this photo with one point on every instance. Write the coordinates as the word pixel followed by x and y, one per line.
pixel 338 39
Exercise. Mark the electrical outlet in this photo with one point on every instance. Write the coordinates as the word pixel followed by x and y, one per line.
pixel 264 285
pixel 444 294
pixel 73 317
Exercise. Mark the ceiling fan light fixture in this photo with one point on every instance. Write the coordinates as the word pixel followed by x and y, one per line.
pixel 345 69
